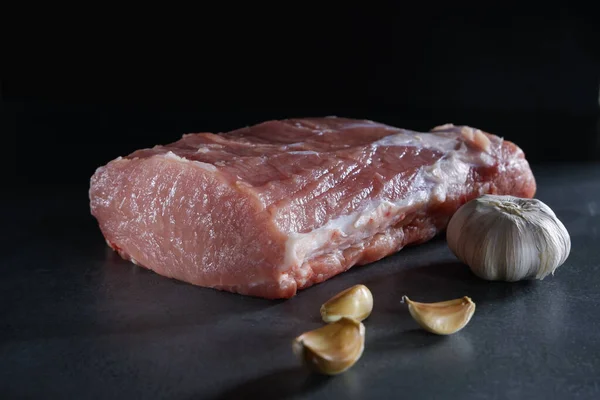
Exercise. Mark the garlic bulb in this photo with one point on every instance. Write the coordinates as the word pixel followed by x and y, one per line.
pixel 508 238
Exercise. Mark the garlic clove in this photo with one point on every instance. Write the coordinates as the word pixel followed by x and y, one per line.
pixel 508 238
pixel 355 302
pixel 333 348
pixel 442 318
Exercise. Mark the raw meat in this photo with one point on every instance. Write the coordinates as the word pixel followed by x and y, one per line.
pixel 274 208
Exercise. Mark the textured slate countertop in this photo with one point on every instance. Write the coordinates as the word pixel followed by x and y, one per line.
pixel 76 321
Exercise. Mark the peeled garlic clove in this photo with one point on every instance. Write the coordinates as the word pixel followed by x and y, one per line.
pixel 355 302
pixel 442 318
pixel 508 238
pixel 333 348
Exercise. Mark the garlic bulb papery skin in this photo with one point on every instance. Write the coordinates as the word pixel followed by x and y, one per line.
pixel 507 238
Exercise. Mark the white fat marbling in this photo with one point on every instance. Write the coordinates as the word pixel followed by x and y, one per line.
pixel 432 184
pixel 304 153
pixel 206 166
pixel 423 140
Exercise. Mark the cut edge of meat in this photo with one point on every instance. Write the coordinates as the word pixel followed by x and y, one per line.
pixel 216 254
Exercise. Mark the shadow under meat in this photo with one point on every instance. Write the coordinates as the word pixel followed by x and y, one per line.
pixel 285 384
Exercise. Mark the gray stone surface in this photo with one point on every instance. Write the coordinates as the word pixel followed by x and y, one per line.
pixel 78 322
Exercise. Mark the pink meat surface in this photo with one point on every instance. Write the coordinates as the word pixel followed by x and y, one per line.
pixel 274 208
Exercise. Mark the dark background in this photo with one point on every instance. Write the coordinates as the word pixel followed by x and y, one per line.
pixel 88 87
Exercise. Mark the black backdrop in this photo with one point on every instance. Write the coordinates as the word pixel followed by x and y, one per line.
pixel 84 91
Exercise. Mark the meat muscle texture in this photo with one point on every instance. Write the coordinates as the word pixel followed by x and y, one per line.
pixel 274 208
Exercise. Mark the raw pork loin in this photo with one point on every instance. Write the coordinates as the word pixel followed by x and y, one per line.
pixel 274 208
